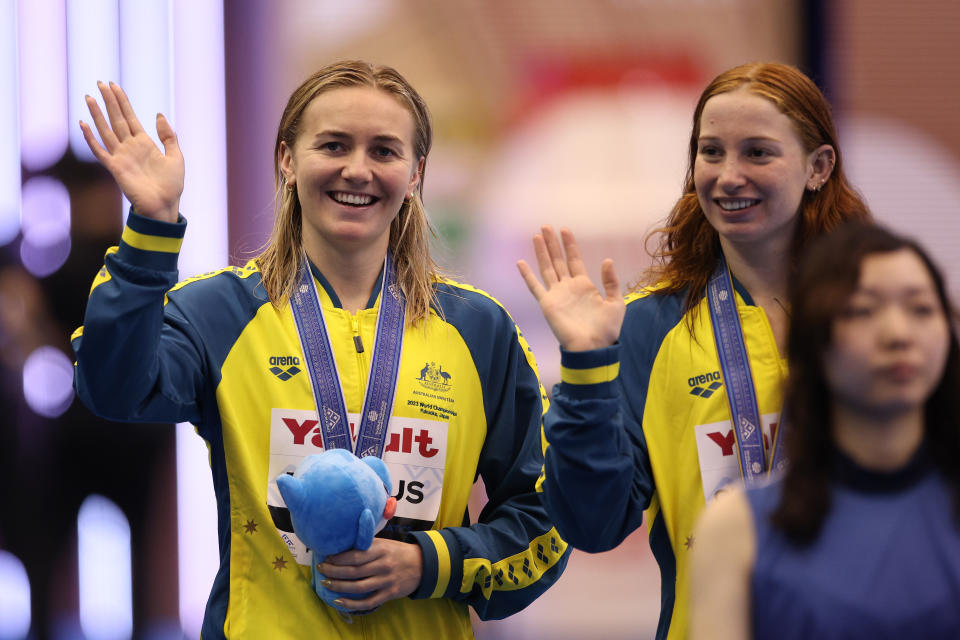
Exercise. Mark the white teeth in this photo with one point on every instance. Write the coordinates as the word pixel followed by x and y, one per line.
pixel 351 198
pixel 736 205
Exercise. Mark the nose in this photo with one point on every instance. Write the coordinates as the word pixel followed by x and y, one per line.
pixel 356 167
pixel 731 178
pixel 896 328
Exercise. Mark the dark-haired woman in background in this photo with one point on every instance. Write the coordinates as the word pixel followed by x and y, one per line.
pixel 861 538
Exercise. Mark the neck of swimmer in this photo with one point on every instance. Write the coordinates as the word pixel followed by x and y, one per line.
pixel 352 272
pixel 878 441
pixel 762 268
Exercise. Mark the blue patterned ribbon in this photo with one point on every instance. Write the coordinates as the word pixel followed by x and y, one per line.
pixel 735 365
pixel 322 367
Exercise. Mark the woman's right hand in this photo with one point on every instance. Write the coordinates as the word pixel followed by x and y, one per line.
pixel 580 316
pixel 150 179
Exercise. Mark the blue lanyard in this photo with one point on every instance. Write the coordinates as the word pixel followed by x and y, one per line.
pixel 735 366
pixel 322 367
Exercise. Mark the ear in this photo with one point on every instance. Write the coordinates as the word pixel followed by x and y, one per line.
pixel 291 489
pixel 820 163
pixel 380 468
pixel 415 178
pixel 285 158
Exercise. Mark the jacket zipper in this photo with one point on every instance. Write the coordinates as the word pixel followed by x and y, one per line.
pixel 361 364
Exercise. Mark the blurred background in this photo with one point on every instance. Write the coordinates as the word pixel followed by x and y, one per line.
pixel 572 112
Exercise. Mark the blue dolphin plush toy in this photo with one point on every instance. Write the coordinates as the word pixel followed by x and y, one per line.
pixel 337 502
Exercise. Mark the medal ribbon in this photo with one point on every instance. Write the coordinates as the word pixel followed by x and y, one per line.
pixel 322 367
pixel 735 367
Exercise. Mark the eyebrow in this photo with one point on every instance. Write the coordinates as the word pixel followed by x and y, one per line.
pixel 748 140
pixel 335 133
pixel 911 291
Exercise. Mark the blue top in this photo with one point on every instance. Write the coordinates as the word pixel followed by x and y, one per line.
pixel 886 563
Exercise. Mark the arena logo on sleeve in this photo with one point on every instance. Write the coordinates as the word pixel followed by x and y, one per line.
pixel 415 453
pixel 717 452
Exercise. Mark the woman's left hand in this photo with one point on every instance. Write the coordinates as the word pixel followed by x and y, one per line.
pixel 389 568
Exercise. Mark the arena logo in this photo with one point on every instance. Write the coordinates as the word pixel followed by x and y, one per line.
pixel 433 377
pixel 284 367
pixel 705 384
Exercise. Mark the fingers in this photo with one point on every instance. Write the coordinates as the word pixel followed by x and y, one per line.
pixel 126 109
pixel 365 585
pixel 555 252
pixel 611 283
pixel 574 261
pixel 544 261
pixel 531 279
pixel 343 571
pixel 349 558
pixel 374 601
pixel 106 133
pixel 98 151
pixel 121 127
pixel 171 148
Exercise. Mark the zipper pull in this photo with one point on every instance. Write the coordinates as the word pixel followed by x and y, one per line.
pixel 357 342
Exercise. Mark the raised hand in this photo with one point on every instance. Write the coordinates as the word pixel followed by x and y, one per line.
pixel 150 179
pixel 581 316
pixel 389 568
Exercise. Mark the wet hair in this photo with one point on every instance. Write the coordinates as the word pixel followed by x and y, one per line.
pixel 410 230
pixel 689 246
pixel 819 291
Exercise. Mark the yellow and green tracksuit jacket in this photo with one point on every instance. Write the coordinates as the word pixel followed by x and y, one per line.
pixel 213 350
pixel 644 425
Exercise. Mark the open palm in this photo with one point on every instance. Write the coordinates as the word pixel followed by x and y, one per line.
pixel 150 179
pixel 580 316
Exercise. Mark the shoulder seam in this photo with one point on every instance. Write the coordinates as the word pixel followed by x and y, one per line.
pixel 644 292
pixel 467 287
pixel 241 272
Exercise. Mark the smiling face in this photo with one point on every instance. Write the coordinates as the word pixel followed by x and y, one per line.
pixel 890 342
pixel 352 165
pixel 751 169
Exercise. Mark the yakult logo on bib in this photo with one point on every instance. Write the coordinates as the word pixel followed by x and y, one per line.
pixel 717 452
pixel 415 452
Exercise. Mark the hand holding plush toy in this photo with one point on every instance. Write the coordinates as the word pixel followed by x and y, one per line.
pixel 337 502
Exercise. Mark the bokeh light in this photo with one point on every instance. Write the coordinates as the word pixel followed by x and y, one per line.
pixel 9 127
pixel 46 225
pixel 103 552
pixel 14 598
pixel 48 381
pixel 93 54
pixel 43 82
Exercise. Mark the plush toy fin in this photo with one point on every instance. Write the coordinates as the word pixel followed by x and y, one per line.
pixel 365 530
pixel 292 491
pixel 380 467
pixel 390 508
